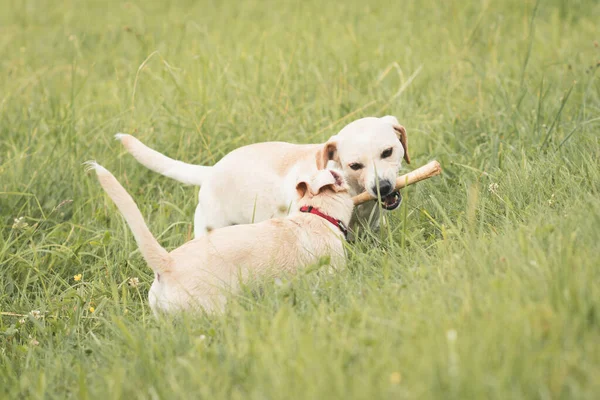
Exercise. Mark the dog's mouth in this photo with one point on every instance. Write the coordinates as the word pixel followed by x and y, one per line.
pixel 391 201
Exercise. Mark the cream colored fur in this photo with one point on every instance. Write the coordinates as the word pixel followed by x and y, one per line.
pixel 198 274
pixel 256 182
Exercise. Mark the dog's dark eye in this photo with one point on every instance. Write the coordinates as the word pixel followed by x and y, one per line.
pixel 388 152
pixel 356 166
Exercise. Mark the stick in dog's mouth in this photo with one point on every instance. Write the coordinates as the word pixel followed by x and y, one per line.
pixel 427 171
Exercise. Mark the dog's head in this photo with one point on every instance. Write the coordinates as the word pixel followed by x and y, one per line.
pixel 369 151
pixel 326 190
pixel 325 180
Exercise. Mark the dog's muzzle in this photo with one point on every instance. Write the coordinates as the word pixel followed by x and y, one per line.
pixel 391 201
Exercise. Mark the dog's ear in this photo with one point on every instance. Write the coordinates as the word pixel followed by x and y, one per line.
pixel 400 132
pixel 327 153
pixel 301 189
pixel 323 179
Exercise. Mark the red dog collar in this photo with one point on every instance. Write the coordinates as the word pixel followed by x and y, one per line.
pixel 311 210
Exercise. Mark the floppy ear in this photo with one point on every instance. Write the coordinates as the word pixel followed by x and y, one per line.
pixel 301 189
pixel 321 180
pixel 401 133
pixel 327 153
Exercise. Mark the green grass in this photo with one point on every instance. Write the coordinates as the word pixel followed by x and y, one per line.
pixel 485 284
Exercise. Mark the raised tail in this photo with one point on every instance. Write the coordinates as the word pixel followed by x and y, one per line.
pixel 155 255
pixel 157 162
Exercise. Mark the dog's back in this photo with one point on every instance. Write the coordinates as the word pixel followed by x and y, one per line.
pixel 200 272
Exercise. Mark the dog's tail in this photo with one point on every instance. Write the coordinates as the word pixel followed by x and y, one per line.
pixel 157 162
pixel 155 255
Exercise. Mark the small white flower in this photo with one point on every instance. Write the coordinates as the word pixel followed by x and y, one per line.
pixel 20 224
pixel 22 321
pixel 493 187
pixel 36 314
pixel 202 337
pixel 34 342
pixel 133 282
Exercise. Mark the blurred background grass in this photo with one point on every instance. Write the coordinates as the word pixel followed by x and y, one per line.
pixel 484 283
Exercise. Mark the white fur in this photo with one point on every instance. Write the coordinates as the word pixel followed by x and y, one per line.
pixel 197 274
pixel 157 162
pixel 256 182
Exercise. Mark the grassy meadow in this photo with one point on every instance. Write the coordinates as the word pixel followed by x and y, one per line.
pixel 484 284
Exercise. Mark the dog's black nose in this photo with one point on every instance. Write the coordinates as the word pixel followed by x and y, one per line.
pixel 385 188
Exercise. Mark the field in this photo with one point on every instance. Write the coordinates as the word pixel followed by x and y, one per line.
pixel 484 284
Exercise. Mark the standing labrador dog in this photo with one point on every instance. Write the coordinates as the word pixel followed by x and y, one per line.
pixel 199 273
pixel 257 182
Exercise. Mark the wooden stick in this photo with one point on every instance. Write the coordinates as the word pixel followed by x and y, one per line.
pixel 428 170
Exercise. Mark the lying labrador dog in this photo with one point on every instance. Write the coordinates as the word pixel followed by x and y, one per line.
pixel 198 274
pixel 256 182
